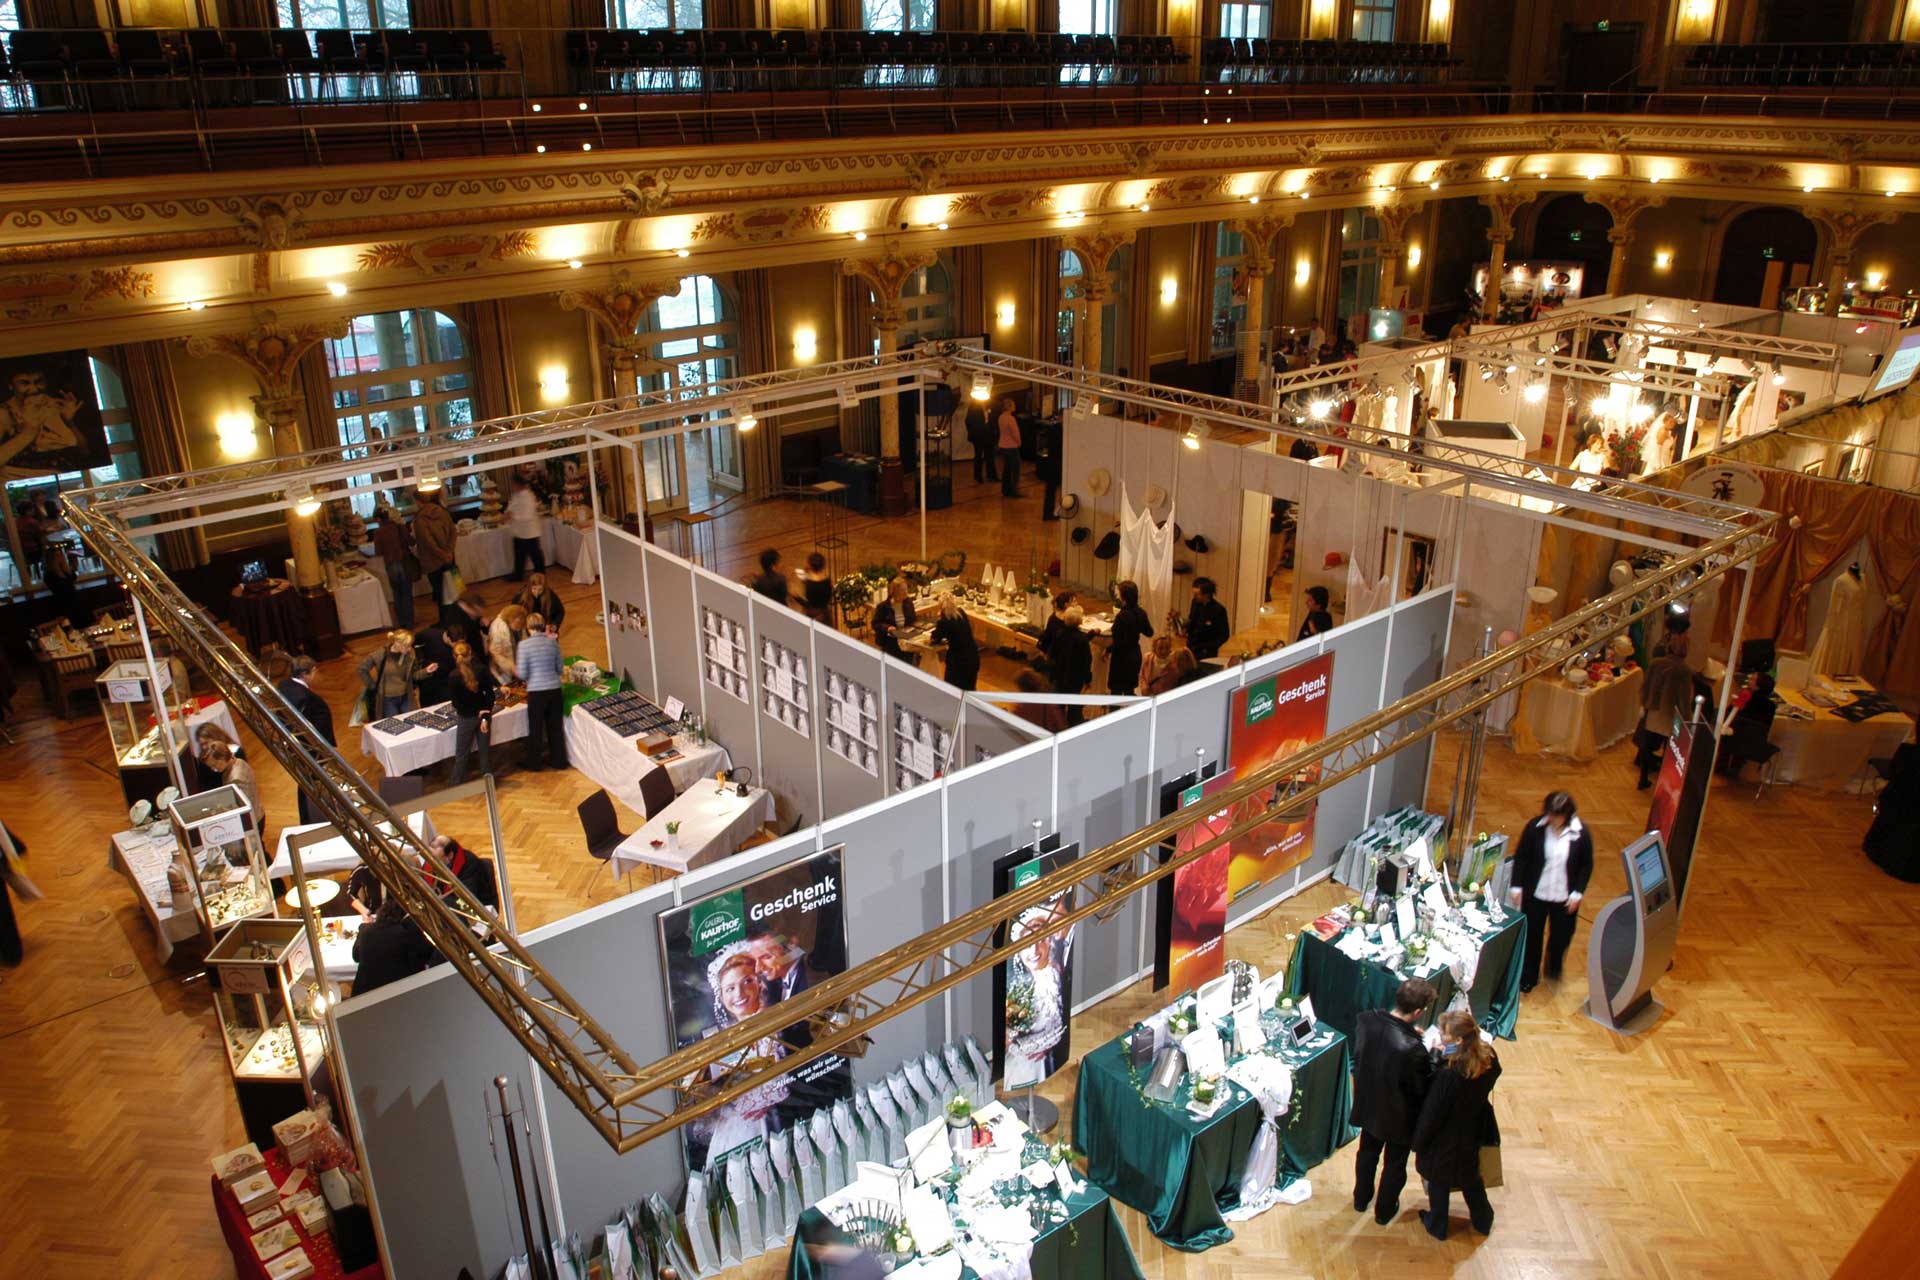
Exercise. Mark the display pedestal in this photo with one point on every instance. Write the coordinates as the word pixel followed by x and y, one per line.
pixel 323 624
pixel 1034 1111
pixel 145 781
pixel 893 488
pixel 1634 1023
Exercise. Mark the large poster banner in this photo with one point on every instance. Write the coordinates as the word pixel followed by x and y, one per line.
pixel 49 415
pixel 1033 992
pixel 1679 797
pixel 1191 939
pixel 1269 720
pixel 734 954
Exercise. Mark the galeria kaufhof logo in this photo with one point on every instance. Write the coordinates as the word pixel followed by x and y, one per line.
pixel 1260 702
pixel 718 922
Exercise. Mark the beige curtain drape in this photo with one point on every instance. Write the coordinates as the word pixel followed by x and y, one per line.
pixel 496 391
pixel 963 15
pixel 1141 294
pixel 759 450
pixel 318 424
pixel 1200 265
pixel 153 398
pixel 59 15
pixel 845 15
pixel 1046 15
pixel 430 14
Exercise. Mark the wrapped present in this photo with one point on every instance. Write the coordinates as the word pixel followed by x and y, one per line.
pixel 255 1192
pixel 241 1162
pixel 295 1136
pixel 291 1265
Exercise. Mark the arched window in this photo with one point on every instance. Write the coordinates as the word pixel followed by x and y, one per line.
pixel 1116 328
pixel 1229 313
pixel 696 343
pixel 1246 19
pixel 20 569
pixel 926 306
pixel 1359 263
pixel 394 374
pixel 1373 20
pixel 357 15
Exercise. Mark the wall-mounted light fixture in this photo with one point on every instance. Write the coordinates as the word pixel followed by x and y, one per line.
pixel 238 438
pixel 1302 272
pixel 1414 255
pixel 337 289
pixel 1005 315
pixel 806 344
pixel 1169 291
pixel 1662 259
pixel 300 494
pixel 553 384
pixel 982 388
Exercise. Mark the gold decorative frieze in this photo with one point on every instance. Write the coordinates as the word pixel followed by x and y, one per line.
pixel 762 226
pixel 447 255
pixel 52 295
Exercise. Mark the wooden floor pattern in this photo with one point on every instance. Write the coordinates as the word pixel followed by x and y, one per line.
pixel 1754 1133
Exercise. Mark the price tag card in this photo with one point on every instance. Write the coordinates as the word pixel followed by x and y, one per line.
pixel 1205 1056
pixel 923 759
pixel 1403 915
pixel 675 708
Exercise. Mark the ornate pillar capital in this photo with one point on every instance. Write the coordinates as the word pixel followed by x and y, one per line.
pixel 621 307
pixel 1845 227
pixel 1624 209
pixel 1504 205
pixel 270 350
pixel 1096 248
pixel 1394 220
pixel 886 276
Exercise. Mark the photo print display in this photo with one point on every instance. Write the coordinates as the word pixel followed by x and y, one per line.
pixel 785 687
pixel 723 648
pixel 49 415
pixel 1033 990
pixel 920 748
pixel 853 721
pixel 1268 721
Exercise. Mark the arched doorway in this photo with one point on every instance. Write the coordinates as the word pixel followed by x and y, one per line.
pixel 1762 253
pixel 1571 230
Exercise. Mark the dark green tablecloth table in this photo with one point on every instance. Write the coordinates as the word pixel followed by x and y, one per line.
pixel 1341 986
pixel 1181 1171
pixel 1089 1245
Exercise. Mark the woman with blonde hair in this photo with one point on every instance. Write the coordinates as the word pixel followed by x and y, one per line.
pixel 1456 1121
pixel 390 672
pixel 471 689
pixel 235 772
pixel 1155 661
pixel 503 637
pixel 1179 669
pixel 955 631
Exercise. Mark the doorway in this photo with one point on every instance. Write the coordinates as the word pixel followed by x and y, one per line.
pixel 1764 252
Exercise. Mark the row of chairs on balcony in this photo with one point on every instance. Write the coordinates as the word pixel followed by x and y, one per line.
pixel 1788 65
pixel 1258 61
pixel 679 61
pixel 144 67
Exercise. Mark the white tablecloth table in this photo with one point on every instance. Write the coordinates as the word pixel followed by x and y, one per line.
pixel 712 827
pixel 1581 723
pixel 578 549
pixel 331 855
pixel 614 762
pixel 484 553
pixel 363 603
pixel 419 748
pixel 143 861
pixel 1829 751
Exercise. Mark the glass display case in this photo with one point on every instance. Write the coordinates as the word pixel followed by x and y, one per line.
pixel 272 1010
pixel 131 706
pixel 217 835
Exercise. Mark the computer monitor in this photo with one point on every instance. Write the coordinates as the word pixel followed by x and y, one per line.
pixel 1900 366
pixel 1646 860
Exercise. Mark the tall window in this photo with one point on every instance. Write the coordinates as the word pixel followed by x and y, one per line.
pixel 1116 331
pixel 1088 18
pixel 1373 19
pixel 1359 263
pixel 16 572
pixel 695 334
pixel 9 15
pixel 1250 21
pixel 897 15
pixel 926 303
pixel 398 373
pixel 1228 313
pixel 656 15
pixel 357 15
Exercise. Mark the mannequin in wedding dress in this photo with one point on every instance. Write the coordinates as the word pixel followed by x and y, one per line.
pixel 1842 647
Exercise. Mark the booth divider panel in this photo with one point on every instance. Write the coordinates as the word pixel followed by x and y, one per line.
pixel 730 720
pixel 622 571
pixel 1416 654
pixel 1192 716
pixel 992 730
pixel 845 785
pixel 1106 792
pixel 1091 444
pixel 675 624
pixel 787 765
pixel 930 698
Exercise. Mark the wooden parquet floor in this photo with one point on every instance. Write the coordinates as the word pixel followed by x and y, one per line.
pixel 1753 1134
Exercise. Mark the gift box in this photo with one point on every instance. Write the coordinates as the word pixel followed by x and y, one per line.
pixel 255 1192
pixel 275 1240
pixel 292 1265
pixel 241 1162
pixel 295 1136
pixel 265 1218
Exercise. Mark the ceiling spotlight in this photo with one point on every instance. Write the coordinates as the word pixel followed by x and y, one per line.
pixel 747 421
pixel 1486 373
pixel 939 226
pixel 586 146
pixel 1507 177
pixel 1808 190
pixel 1146 208
pixel 1195 434
pixel 1304 194
pixel 1253 199
pixel 1433 186
pixel 1505 388
pixel 301 496
pixel 582 106
pixel 1779 376
pixel 1513 368
pixel 196 304
pixel 682 252
pixel 859 235
pixel 1655 179
pixel 540 149
pixel 982 388
pixel 1535 392
pixel 337 289
pixel 426 477
pixel 536 107
pixel 1319 410
pixel 574 264
pixel 1892 194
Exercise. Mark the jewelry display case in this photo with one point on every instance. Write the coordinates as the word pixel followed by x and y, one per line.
pixel 131 705
pixel 272 1010
pixel 226 860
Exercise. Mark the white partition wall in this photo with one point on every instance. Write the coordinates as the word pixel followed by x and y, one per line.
pixel 420 1055
pixel 629 621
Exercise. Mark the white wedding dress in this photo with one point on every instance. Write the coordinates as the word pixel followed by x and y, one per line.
pixel 1842 647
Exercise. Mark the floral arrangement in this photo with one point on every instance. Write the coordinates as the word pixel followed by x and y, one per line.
pixel 1205 1089
pixel 959 1107
pixel 335 542
pixel 1020 1006
pixel 673 828
pixel 1626 450
pixel 1182 1022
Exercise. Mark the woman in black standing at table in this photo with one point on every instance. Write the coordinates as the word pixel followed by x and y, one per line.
pixel 1551 866
pixel 955 630
pixel 895 612
pixel 816 590
pixel 471 687
pixel 1072 660
pixel 1455 1122
pixel 1130 626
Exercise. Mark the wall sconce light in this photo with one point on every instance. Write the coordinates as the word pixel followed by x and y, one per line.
pixel 746 421
pixel 1662 259
pixel 806 343
pixel 1302 272
pixel 238 439
pixel 1169 291
pixel 1875 279
pixel 553 384
pixel 1414 255
pixel 982 388
pixel 1005 315
pixel 300 494
pixel 199 304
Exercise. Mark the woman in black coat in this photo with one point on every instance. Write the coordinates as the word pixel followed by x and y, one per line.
pixel 1072 660
pixel 1130 626
pixel 955 631
pixel 1455 1122
pixel 389 947
pixel 1551 867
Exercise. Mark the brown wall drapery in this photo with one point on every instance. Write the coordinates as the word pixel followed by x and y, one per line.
pixel 1044 298
pixel 1140 294
pixel 490 344
pixel 146 371
pixel 1893 651
pixel 759 449
pixel 969 291
pixel 853 320
pixel 1200 264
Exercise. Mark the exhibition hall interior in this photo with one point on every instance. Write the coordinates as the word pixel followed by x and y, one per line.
pixel 1029 639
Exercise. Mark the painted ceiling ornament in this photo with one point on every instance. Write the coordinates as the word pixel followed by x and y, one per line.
pixel 273 223
pixel 645 195
pixel 1847 225
pixel 621 307
pixel 923 175
pixel 270 349
pixel 1008 202
pixel 447 255
pixel 1140 159
pixel 1191 189
pixel 887 274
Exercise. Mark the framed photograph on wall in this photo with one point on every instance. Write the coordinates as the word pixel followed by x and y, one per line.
pixel 1417 565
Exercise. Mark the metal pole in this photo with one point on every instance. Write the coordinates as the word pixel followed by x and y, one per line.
pixel 159 697
pixel 1726 697
pixel 539 1260
pixel 923 472
pixel 310 923
pixel 1476 748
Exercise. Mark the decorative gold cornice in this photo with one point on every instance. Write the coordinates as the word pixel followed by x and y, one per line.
pixel 1096 248
pixel 621 308
pixel 1845 226
pixel 1394 218
pixel 447 255
pixel 51 295
pixel 886 276
pixel 1503 205
pixel 270 350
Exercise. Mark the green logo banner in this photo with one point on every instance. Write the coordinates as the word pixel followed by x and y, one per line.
pixel 1260 700
pixel 1026 873
pixel 716 922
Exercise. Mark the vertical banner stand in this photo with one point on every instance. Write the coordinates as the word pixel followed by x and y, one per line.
pixel 1036 1112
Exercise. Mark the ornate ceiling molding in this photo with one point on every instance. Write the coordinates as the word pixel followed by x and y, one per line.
pixel 447 255
pixel 52 295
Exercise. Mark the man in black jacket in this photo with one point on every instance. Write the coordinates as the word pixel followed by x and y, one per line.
pixel 1207 626
pixel 1391 1072
pixel 389 947
pixel 313 709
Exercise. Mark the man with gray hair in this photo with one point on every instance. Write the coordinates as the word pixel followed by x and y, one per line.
pixel 313 708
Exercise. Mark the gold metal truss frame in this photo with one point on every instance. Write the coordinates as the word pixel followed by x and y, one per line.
pixel 629 1103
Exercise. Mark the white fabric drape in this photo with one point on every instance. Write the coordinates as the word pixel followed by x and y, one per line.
pixel 1146 555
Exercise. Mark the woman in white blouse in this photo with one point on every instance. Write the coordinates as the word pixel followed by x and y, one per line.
pixel 1551 867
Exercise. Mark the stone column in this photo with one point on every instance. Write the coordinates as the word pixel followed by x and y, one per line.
pixel 1624 210
pixel 1844 228
pixel 1095 249
pixel 1259 236
pixel 1394 221
pixel 619 309
pixel 272 353
pixel 1502 205
pixel 885 276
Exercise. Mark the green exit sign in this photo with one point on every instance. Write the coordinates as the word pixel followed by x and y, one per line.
pixel 1575 235
pixel 1767 253
pixel 1603 25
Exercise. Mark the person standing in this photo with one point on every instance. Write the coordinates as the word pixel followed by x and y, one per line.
pixel 1130 626
pixel 33 537
pixel 1456 1121
pixel 538 660
pixel 980 434
pixel 1391 1073
pixel 237 773
pixel 390 674
pixel 1207 625
pixel 523 521
pixel 816 589
pixel 538 597
pixel 434 539
pixel 471 688
pixel 1071 658
pixel 771 582
pixel 1318 620
pixel 394 545
pixel 503 642
pixel 1665 699
pixel 895 612
pixel 955 631
pixel 312 708
pixel 435 648
pixel 1047 467
pixel 1551 866
pixel 1007 442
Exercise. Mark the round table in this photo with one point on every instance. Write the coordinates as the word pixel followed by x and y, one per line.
pixel 272 616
